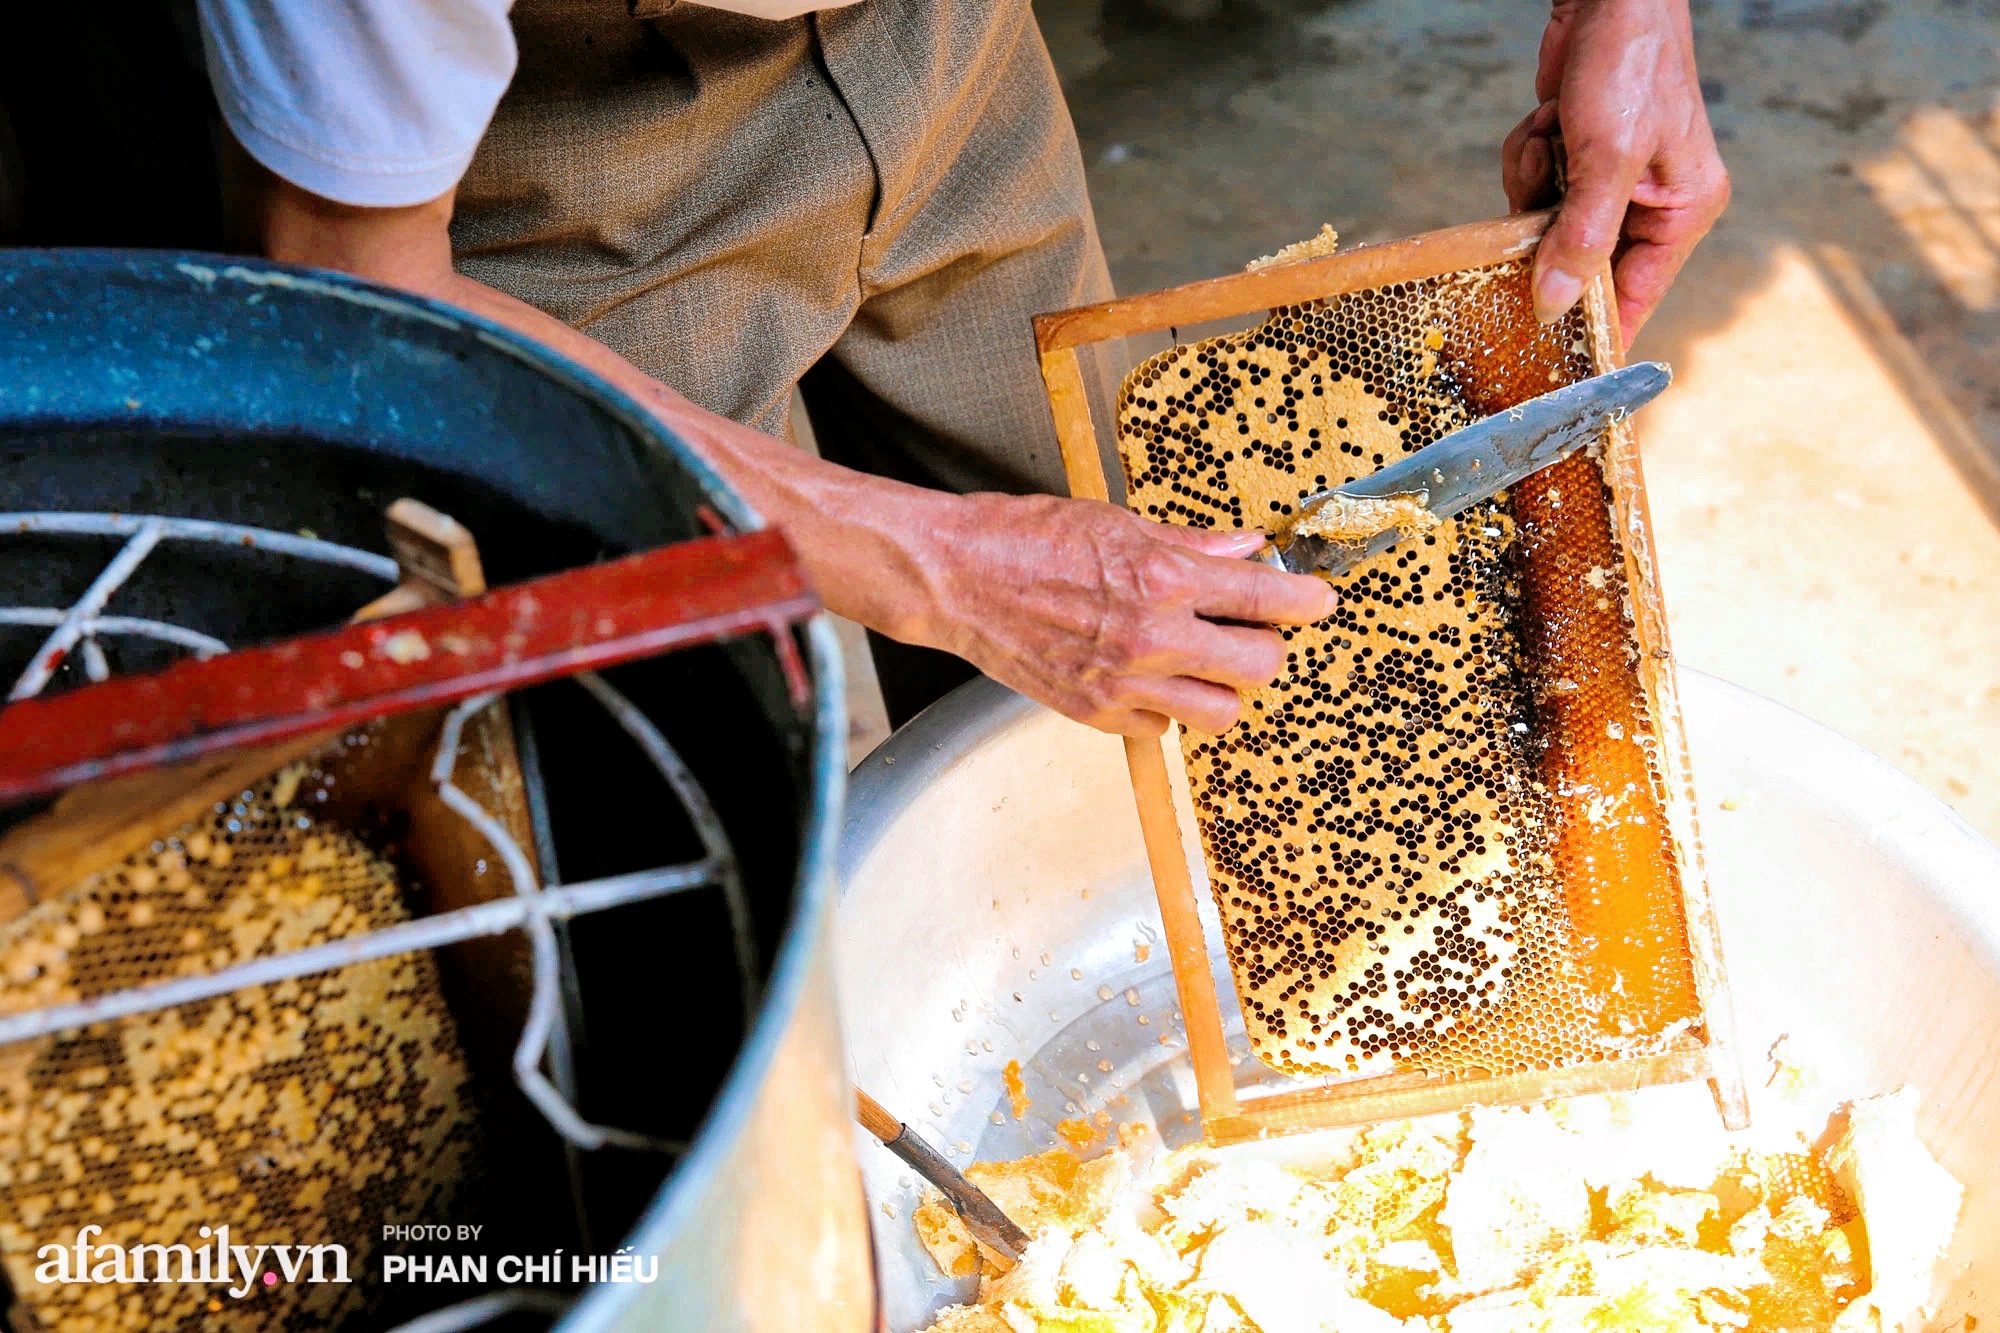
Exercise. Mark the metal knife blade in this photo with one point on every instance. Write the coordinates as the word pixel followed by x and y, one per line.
pixel 1478 461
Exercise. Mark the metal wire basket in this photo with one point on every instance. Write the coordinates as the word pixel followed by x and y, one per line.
pixel 274 930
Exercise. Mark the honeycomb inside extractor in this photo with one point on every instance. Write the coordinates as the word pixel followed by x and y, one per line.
pixel 1438 841
pixel 301 1113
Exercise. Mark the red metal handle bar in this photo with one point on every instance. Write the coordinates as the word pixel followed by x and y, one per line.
pixel 579 620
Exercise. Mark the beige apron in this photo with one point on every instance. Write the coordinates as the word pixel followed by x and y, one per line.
pixel 867 202
pixel 872 200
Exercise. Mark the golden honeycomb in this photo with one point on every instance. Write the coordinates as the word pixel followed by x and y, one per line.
pixel 1438 840
pixel 303 1112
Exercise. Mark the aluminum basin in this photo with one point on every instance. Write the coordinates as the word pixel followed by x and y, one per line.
pixel 996 907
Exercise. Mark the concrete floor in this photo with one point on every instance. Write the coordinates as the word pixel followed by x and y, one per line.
pixel 1825 475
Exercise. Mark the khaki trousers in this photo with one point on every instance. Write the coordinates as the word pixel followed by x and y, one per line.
pixel 868 203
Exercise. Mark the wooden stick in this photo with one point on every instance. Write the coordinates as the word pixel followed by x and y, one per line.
pixel 434 549
pixel 875 1119
pixel 1070 403
pixel 1474 245
pixel 1187 949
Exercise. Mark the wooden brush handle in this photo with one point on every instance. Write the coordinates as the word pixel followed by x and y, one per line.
pixel 875 1119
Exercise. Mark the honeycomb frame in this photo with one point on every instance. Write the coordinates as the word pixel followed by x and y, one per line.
pixel 1703 1042
pixel 303 1111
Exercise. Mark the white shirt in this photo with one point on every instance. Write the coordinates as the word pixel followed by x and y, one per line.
pixel 379 103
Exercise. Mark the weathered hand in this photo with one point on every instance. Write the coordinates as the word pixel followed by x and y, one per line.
pixel 1110 619
pixel 1617 78
pixel 1079 604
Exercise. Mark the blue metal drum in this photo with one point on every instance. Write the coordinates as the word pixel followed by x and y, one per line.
pixel 298 404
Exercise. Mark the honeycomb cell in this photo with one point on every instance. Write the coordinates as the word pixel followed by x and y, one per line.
pixel 1437 841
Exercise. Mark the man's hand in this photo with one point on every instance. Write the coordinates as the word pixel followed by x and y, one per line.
pixel 1108 618
pixel 1617 79
pixel 1076 603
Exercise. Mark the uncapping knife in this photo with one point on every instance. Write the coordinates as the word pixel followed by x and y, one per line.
pixel 982 1217
pixel 1476 462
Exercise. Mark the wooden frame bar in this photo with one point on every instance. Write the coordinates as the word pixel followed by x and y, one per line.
pixel 1151 788
pixel 1656 673
pixel 1471 246
pixel 1404 1095
pixel 1228 1116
